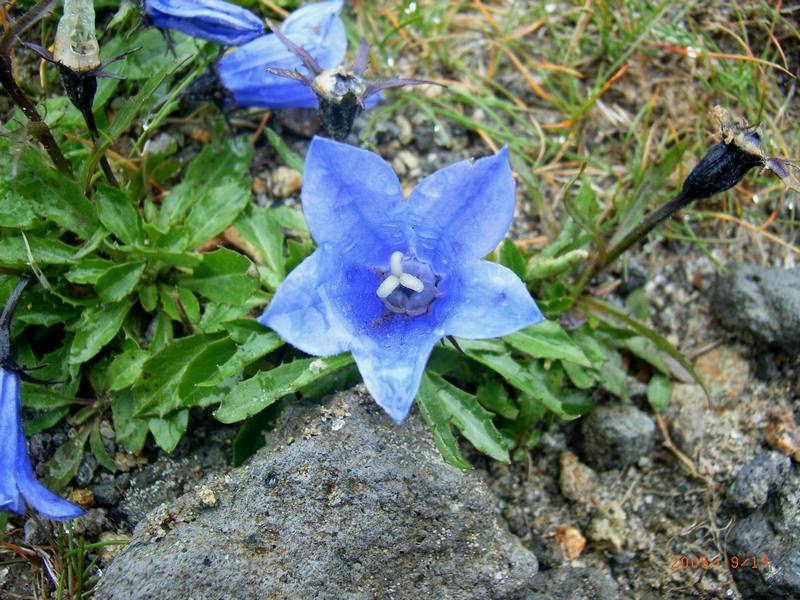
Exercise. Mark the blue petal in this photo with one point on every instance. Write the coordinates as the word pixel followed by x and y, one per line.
pixel 352 202
pixel 485 300
pixel 464 210
pixel 10 498
pixel 303 313
pixel 391 359
pixel 214 20
pixel 315 27
pixel 16 476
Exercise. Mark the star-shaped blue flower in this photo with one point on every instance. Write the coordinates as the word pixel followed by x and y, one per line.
pixel 316 27
pixel 390 276
pixel 17 482
pixel 214 20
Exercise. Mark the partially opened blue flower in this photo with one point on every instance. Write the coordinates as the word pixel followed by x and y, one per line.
pixel 315 27
pixel 18 485
pixel 390 276
pixel 214 20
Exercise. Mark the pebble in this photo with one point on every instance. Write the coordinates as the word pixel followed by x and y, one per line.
pixel 607 528
pixel 285 182
pixel 756 479
pixel 571 541
pixel 405 163
pixel 687 415
pixel 725 372
pixel 616 435
pixel 577 481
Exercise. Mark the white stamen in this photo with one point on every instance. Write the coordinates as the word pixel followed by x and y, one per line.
pixel 396 263
pixel 411 282
pixel 388 285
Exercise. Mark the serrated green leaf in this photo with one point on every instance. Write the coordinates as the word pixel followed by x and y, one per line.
pixel 516 375
pixel 438 420
pixel 207 361
pixel 259 228
pixel 190 305
pixel 126 368
pixel 168 431
pixel 494 396
pixel 97 327
pixel 157 387
pixel 471 419
pixel 65 462
pixel 15 211
pixel 88 270
pixel 259 343
pixel 547 340
pixel 215 210
pixel 131 431
pixel 44 251
pixel 119 281
pixel 659 392
pixel 289 218
pixel 222 277
pixel 253 395
pixel 99 450
pixel 118 215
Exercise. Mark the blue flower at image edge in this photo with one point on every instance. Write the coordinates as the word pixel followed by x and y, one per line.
pixel 316 27
pixel 390 276
pixel 17 482
pixel 214 20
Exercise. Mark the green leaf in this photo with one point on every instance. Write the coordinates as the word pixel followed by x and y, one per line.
pixel 65 462
pixel 99 450
pixel 253 395
pixel 167 431
pixel 471 419
pixel 88 270
pixel 438 420
pixel 118 215
pixel 126 368
pixel 494 396
pixel 131 430
pixel 43 250
pixel 263 233
pixel 190 305
pixel 97 327
pixel 547 340
pixel 659 392
pixel 518 376
pixel 289 156
pixel 511 257
pixel 188 260
pixel 157 387
pixel 119 281
pixel 148 297
pixel 219 170
pixel 601 308
pixel 209 360
pixel 43 397
pixel 44 421
pixel 260 342
pixel 130 109
pixel 581 377
pixel 222 277
pixel 289 218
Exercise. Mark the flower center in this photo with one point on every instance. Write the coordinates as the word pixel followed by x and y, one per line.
pixel 410 287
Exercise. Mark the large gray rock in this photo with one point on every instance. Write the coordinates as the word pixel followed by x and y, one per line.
pixel 771 534
pixel 341 503
pixel 760 304
pixel 574 583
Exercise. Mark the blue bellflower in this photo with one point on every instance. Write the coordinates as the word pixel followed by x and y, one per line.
pixel 18 485
pixel 214 20
pixel 315 27
pixel 391 277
